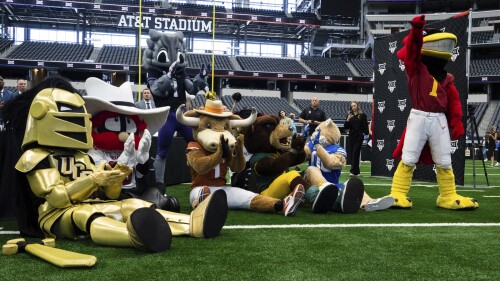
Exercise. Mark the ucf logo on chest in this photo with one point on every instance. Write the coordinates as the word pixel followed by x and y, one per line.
pixel 69 167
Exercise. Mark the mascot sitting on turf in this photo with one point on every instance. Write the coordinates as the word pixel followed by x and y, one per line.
pixel 274 150
pixel 120 136
pixel 327 158
pixel 75 198
pixel 435 107
pixel 214 150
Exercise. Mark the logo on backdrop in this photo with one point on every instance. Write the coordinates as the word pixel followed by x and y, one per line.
pixel 380 144
pixel 381 106
pixel 402 104
pixel 402 65
pixel 389 163
pixel 455 53
pixel 392 85
pixel 393 46
pixel 390 125
pixel 454 146
pixel 381 68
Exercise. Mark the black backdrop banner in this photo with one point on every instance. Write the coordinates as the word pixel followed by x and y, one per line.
pixel 392 104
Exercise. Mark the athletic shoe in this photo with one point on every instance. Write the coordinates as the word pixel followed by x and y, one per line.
pixel 203 193
pixel 351 195
pixel 292 201
pixel 379 204
pixel 325 199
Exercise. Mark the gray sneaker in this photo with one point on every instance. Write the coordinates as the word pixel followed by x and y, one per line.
pixel 379 204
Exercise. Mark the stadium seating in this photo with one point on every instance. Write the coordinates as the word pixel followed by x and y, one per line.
pixel 264 12
pixel 5 44
pixel 270 65
pixel 118 55
pixel 336 110
pixel 479 37
pixel 480 67
pixel 196 60
pixel 265 105
pixel 327 66
pixel 363 66
pixel 50 51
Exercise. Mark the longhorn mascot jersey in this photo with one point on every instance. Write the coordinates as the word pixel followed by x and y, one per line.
pixel 436 110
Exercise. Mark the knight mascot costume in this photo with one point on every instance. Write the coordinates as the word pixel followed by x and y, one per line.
pixel 73 197
pixel 436 110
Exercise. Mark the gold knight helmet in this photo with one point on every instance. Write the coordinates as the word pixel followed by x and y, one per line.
pixel 58 118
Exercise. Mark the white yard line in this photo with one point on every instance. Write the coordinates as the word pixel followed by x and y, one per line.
pixel 365 225
pixel 362 225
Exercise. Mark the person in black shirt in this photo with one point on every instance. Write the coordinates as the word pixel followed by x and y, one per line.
pixel 312 116
pixel 357 123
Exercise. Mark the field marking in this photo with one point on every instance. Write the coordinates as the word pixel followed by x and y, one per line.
pixel 492 196
pixel 362 225
pixel 263 226
pixel 8 232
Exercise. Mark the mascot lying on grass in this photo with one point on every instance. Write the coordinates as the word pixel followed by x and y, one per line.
pixel 214 150
pixel 436 106
pixel 274 150
pixel 327 158
pixel 77 199
pixel 120 136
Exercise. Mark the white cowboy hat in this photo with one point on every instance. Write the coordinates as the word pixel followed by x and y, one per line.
pixel 214 108
pixel 102 96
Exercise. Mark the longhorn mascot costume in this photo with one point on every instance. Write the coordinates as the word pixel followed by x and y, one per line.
pixel 120 135
pixel 214 150
pixel 75 198
pixel 165 63
pixel 435 107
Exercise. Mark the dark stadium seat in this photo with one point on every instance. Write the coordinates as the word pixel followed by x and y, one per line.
pixel 327 66
pixel 263 64
pixel 51 51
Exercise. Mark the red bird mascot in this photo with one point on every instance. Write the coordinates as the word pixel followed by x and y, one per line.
pixel 435 108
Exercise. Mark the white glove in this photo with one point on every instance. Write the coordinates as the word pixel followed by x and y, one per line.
pixel 144 146
pixel 128 154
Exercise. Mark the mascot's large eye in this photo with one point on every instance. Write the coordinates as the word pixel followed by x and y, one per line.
pixel 112 124
pixel 208 126
pixel 162 56
pixel 130 126
pixel 120 124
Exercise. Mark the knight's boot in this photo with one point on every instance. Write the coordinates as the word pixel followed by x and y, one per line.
pixel 206 220
pixel 321 198
pixel 145 229
pixel 265 204
pixel 401 186
pixel 349 198
pixel 448 197
pixel 161 201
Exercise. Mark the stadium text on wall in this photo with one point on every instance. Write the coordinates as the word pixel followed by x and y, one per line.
pixel 166 23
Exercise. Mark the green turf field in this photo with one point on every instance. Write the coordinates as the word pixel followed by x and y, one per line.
pixel 425 243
